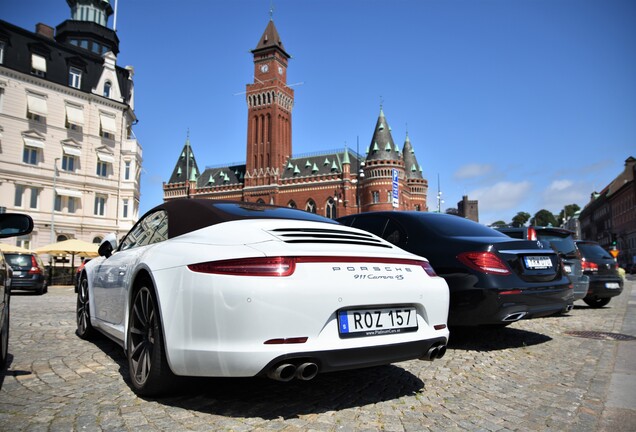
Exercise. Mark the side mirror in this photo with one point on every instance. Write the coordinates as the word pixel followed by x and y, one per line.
pixel 15 224
pixel 108 245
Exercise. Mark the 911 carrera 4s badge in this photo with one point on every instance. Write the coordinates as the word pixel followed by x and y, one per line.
pixel 375 322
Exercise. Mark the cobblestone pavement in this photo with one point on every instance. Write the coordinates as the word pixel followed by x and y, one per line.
pixel 532 375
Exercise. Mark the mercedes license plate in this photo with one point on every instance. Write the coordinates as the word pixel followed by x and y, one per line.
pixel 568 269
pixel 538 262
pixel 374 322
pixel 612 285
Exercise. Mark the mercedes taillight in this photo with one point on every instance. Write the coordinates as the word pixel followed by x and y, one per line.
pixel 485 262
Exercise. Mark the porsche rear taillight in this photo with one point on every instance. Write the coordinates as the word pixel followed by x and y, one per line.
pixel 485 262
pixel 532 233
pixel 35 268
pixel 285 266
pixel 262 266
pixel 428 268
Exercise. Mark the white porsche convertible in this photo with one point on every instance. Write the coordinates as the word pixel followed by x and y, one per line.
pixel 234 289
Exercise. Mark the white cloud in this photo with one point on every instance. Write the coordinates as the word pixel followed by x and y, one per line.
pixel 560 193
pixel 559 185
pixel 502 195
pixel 472 171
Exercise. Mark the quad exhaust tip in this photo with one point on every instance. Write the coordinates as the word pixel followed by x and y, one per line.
pixel 288 371
pixel 434 352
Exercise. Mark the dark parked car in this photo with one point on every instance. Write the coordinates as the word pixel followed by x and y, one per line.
pixel 11 225
pixel 492 278
pixel 29 273
pixel 562 240
pixel 605 282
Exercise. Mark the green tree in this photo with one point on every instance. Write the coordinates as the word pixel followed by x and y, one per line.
pixel 498 223
pixel 520 219
pixel 568 212
pixel 543 218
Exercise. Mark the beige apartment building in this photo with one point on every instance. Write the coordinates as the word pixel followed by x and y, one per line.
pixel 68 155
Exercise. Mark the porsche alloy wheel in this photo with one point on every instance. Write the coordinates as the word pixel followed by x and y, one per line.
pixel 85 329
pixel 147 364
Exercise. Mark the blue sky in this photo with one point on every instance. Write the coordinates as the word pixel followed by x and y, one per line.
pixel 523 105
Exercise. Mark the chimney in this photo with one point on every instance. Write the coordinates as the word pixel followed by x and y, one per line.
pixel 44 30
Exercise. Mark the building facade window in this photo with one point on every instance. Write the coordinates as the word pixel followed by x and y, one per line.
pixel 127 170
pixel 2 45
pixel 330 209
pixel 100 205
pixel 19 192
pixel 74 77
pixel 24 242
pixel 30 155
pixel 107 87
pixel 376 197
pixel 68 163
pixel 291 204
pixel 58 202
pixel 38 65
pixel 72 204
pixel 125 209
pixel 311 206
pixel 102 169
pixel 33 202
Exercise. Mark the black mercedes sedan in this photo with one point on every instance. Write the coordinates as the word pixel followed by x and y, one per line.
pixel 493 279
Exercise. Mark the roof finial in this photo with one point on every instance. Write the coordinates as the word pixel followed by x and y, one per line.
pixel 271 10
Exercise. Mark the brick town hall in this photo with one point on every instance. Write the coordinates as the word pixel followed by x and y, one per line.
pixel 332 184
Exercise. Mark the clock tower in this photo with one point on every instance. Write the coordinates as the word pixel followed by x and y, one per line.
pixel 269 105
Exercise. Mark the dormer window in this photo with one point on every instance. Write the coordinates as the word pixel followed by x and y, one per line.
pixel 74 77
pixel 107 87
pixel 38 65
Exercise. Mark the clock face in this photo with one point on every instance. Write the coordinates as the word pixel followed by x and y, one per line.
pixel 280 70
pixel 264 68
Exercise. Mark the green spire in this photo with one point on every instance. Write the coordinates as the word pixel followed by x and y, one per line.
pixel 314 169
pixel 345 158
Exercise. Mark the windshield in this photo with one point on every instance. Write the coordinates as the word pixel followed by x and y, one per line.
pixel 455 226
pixel 563 243
pixel 592 251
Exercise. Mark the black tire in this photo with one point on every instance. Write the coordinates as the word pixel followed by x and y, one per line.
pixel 596 302
pixel 150 374
pixel 4 337
pixel 85 329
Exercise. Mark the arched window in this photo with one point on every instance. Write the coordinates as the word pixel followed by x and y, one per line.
pixel 107 87
pixel 260 201
pixel 97 240
pixel 292 204
pixel 61 237
pixel 311 206
pixel 330 209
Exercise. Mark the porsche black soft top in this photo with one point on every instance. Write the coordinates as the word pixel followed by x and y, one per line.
pixel 189 214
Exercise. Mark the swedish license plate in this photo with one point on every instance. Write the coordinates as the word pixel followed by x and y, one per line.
pixel 568 269
pixel 538 262
pixel 375 322
pixel 612 285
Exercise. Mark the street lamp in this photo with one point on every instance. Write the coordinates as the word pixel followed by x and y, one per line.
pixel 54 199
